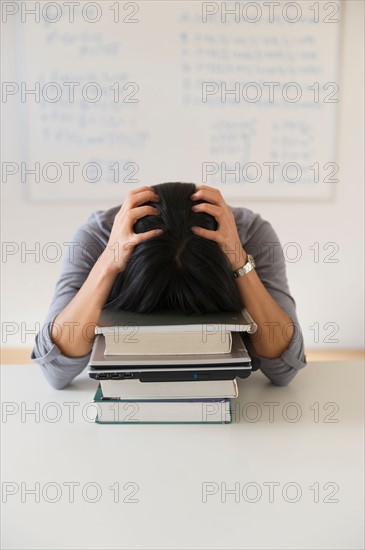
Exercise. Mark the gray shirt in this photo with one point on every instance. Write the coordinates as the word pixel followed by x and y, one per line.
pixel 90 239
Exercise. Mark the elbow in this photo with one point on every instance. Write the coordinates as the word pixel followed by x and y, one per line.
pixel 59 371
pixel 54 380
pixel 283 381
pixel 58 384
pixel 279 383
pixel 269 352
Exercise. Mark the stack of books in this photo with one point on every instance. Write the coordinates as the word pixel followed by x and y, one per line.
pixel 168 367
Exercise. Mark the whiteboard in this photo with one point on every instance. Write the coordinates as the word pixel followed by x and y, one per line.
pixel 151 101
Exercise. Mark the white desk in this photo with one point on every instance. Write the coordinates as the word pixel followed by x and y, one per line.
pixel 167 465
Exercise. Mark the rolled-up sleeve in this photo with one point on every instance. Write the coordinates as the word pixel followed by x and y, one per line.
pixel 283 369
pixel 264 244
pixel 78 259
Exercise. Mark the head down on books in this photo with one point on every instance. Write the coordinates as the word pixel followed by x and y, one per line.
pixel 178 269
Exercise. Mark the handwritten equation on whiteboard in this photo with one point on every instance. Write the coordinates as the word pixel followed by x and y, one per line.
pixel 250 109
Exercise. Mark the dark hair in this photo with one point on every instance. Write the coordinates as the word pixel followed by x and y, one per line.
pixel 177 269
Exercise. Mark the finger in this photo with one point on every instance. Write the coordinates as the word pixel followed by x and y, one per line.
pixel 208 208
pixel 141 211
pixel 140 237
pixel 205 233
pixel 208 187
pixel 143 196
pixel 139 189
pixel 209 194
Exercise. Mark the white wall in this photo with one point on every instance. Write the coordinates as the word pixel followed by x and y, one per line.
pixel 324 292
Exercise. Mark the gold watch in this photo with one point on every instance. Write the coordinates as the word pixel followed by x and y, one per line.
pixel 249 265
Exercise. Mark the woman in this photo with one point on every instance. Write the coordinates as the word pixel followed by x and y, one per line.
pixel 172 245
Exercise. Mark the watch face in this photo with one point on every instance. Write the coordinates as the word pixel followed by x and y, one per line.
pixel 251 260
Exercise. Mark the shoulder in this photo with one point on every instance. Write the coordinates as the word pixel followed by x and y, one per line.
pixel 252 227
pixel 99 224
pixel 102 220
pixel 91 237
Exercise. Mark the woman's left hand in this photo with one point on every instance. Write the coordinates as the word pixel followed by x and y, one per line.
pixel 226 234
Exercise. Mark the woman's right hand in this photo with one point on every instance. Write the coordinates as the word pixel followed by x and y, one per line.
pixel 123 240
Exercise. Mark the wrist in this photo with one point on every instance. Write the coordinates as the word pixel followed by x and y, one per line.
pixel 246 268
pixel 239 259
pixel 108 263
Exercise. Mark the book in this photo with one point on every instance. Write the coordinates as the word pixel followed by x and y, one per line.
pixel 171 332
pixel 174 343
pixel 99 358
pixel 163 411
pixel 200 389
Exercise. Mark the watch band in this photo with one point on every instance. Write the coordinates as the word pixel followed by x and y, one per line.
pixel 249 265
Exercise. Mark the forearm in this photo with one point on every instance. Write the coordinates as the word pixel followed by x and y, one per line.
pixel 275 327
pixel 73 328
